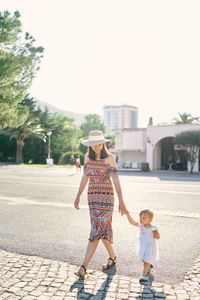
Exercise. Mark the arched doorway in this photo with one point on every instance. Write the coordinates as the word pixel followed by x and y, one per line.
pixel 167 156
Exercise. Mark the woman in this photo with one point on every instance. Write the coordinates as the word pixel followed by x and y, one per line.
pixel 99 166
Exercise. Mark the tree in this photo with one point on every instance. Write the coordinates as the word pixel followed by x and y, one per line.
pixel 75 136
pixel 31 136
pixel 190 139
pixel 185 118
pixel 92 122
pixel 111 143
pixel 30 127
pixel 65 136
pixel 7 149
pixel 19 62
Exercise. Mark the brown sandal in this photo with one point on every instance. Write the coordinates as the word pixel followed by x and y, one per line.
pixel 79 273
pixel 108 266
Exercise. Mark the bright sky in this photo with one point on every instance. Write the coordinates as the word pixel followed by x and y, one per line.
pixel 143 53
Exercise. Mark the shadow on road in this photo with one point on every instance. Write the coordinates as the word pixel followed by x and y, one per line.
pixel 81 285
pixel 147 290
pixel 102 291
pixel 164 175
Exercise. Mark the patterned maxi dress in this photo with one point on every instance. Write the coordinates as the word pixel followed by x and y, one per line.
pixel 100 198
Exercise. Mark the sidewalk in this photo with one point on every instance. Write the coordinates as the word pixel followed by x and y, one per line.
pixel 35 278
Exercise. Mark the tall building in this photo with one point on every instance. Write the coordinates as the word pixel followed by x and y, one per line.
pixel 120 117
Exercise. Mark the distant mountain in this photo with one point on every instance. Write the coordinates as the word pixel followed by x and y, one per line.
pixel 78 118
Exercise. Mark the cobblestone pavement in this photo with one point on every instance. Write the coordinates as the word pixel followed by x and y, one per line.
pixel 31 277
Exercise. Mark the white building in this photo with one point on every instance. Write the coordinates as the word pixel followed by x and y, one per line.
pixel 120 117
pixel 130 146
pixel 154 145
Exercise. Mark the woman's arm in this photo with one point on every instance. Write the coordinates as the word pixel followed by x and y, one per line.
pixel 130 219
pixel 122 208
pixel 82 185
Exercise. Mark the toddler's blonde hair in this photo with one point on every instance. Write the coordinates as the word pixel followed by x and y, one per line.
pixel 147 211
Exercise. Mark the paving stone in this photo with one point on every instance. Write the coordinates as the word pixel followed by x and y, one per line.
pixel 147 291
pixel 132 294
pixel 33 278
pixel 147 296
pixel 47 294
pixel 72 294
pixel 182 297
pixel 29 298
pixel 96 298
pixel 122 296
pixel 111 289
pixel 159 295
pixel 5 295
pixel 35 293
pixel 110 295
pixel 135 289
pixel 123 291
pixel 15 298
pixel 21 284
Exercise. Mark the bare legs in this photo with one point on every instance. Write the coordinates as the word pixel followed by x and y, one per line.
pixel 146 268
pixel 109 248
pixel 91 248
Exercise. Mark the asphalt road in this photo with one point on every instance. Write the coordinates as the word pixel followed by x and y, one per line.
pixel 37 218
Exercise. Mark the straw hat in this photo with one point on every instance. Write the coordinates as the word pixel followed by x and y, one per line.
pixel 95 137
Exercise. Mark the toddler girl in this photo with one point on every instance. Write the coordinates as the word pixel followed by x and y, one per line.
pixel 146 246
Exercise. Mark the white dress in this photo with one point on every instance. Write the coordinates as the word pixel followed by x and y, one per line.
pixel 146 247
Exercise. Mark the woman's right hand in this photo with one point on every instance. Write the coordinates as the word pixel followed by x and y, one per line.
pixel 122 208
pixel 76 202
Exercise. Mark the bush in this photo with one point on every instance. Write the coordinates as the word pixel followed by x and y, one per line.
pixel 65 158
pixel 145 167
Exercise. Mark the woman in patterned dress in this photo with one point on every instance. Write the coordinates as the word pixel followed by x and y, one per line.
pixel 99 166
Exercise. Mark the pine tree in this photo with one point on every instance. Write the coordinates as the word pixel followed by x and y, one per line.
pixel 19 62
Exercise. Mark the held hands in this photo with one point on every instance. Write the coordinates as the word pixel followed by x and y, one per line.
pixel 155 233
pixel 76 202
pixel 122 208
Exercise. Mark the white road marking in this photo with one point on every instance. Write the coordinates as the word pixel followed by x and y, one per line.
pixel 171 192
pixel 177 184
pixel 36 183
pixel 136 189
pixel 26 201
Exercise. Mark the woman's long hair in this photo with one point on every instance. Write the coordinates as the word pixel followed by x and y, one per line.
pixel 92 154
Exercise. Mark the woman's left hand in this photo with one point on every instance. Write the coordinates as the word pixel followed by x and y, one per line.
pixel 122 208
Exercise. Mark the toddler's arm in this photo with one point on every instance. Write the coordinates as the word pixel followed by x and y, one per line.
pixel 130 219
pixel 156 233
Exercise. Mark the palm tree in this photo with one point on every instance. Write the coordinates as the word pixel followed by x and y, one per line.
pixel 30 127
pixel 190 139
pixel 185 118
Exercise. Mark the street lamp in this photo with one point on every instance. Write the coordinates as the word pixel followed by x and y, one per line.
pixel 49 160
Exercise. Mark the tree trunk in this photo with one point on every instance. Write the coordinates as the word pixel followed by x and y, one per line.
pixel 192 167
pixel 193 157
pixel 19 156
